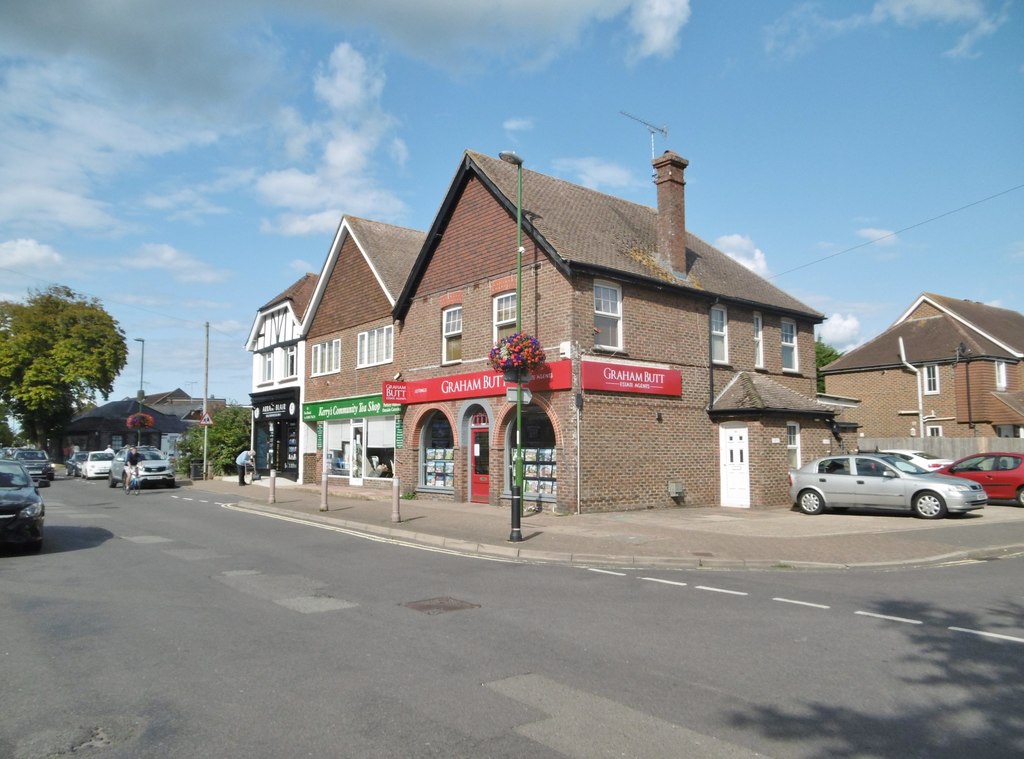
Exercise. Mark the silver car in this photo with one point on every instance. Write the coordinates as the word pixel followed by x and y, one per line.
pixel 879 481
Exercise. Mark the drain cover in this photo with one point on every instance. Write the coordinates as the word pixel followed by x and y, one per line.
pixel 440 605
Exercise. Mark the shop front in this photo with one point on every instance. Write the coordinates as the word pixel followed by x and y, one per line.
pixel 356 437
pixel 275 424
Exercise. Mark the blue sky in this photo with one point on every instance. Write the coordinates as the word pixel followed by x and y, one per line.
pixel 185 162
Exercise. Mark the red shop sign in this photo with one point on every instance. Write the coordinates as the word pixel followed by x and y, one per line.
pixel 631 378
pixel 552 376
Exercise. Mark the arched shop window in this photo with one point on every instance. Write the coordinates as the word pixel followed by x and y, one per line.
pixel 540 461
pixel 437 453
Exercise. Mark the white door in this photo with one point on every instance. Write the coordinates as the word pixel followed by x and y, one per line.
pixel 734 466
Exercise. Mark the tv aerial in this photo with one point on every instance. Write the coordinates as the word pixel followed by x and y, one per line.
pixel 663 131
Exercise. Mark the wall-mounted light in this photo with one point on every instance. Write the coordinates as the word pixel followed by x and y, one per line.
pixel 657 416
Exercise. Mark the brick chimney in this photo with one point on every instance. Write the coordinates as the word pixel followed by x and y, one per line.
pixel 668 176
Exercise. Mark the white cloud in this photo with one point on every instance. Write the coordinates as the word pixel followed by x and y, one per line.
pixel 181 267
pixel 741 249
pixel 16 254
pixel 841 332
pixel 657 24
pixel 878 236
pixel 517 124
pixel 804 27
pixel 596 173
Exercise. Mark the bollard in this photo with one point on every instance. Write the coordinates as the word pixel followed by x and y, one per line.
pixel 323 492
pixel 396 496
pixel 272 498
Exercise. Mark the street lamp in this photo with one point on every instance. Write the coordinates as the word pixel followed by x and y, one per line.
pixel 142 369
pixel 516 535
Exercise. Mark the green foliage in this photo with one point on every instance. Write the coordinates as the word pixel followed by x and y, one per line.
pixel 57 349
pixel 823 356
pixel 229 436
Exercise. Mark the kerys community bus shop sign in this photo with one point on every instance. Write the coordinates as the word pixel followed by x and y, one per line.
pixel 348 408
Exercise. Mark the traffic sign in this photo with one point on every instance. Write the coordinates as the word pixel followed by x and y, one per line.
pixel 206 421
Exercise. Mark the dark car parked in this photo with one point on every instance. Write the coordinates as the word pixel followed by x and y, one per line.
pixel 72 467
pixel 21 507
pixel 1000 474
pixel 37 463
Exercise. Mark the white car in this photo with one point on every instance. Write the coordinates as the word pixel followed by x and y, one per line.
pixel 96 464
pixel 922 459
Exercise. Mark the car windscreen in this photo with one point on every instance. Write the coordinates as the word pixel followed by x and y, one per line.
pixel 151 455
pixel 31 455
pixel 13 477
pixel 101 456
pixel 903 465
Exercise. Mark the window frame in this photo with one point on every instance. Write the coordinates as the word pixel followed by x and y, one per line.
pixel 719 337
pixel 609 316
pixel 758 327
pixel 267 366
pixel 932 385
pixel 793 453
pixel 447 335
pixel 1000 372
pixel 371 341
pixel 506 325
pixel 328 351
pixel 789 346
pixel 291 362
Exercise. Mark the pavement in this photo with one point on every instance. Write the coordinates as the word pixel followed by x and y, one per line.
pixel 684 538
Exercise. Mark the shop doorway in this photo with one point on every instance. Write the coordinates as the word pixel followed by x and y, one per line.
pixel 480 478
pixel 734 468
pixel 357 463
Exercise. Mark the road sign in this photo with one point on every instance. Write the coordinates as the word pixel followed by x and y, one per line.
pixel 510 395
pixel 206 421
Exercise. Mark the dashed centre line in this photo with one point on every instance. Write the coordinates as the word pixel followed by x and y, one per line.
pixel 998 636
pixel 664 582
pixel 722 590
pixel 889 618
pixel 801 603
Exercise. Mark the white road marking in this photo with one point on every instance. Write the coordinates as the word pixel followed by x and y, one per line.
pixel 606 572
pixel 722 590
pixel 801 603
pixel 147 539
pixel 891 619
pixel 984 634
pixel 664 582
pixel 364 535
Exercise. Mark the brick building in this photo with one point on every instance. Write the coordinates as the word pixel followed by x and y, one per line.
pixel 350 350
pixel 674 374
pixel 947 368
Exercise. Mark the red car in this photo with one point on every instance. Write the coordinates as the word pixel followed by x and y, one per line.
pixel 1000 474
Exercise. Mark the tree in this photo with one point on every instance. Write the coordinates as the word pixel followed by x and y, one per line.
pixel 823 356
pixel 57 350
pixel 227 437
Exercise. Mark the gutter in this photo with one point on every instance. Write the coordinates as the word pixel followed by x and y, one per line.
pixel 917 377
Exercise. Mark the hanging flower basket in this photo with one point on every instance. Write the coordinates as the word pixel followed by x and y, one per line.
pixel 140 421
pixel 516 356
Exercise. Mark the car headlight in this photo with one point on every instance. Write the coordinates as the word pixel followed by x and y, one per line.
pixel 31 512
pixel 957 488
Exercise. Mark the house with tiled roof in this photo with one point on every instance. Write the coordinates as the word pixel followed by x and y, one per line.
pixel 347 432
pixel 674 375
pixel 946 367
pixel 275 341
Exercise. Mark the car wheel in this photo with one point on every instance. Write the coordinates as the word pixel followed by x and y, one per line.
pixel 929 505
pixel 1020 497
pixel 811 502
pixel 112 482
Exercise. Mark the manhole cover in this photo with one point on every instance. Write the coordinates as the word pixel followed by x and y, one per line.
pixel 440 605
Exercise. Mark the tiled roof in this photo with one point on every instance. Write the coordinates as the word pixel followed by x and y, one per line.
pixel 986 333
pixel 392 250
pixel 755 392
pixel 589 229
pixel 299 293
pixel 1014 401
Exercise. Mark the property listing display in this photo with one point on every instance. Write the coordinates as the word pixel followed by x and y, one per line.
pixel 540 471
pixel 439 468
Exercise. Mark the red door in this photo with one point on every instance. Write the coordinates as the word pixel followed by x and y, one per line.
pixel 480 487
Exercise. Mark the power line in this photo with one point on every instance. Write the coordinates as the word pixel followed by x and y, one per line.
pixel 898 231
